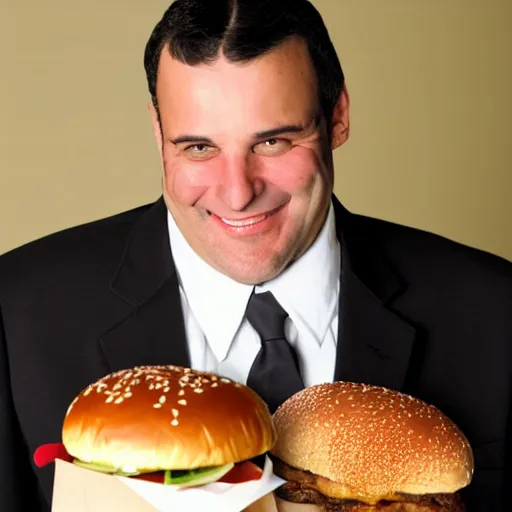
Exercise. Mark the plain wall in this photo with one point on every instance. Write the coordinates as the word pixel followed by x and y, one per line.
pixel 431 109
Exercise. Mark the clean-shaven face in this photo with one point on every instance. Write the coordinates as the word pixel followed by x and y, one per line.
pixel 247 160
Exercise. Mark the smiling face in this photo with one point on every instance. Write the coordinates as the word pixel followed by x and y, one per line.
pixel 247 158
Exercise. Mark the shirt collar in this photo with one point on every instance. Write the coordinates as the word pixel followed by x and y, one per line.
pixel 307 290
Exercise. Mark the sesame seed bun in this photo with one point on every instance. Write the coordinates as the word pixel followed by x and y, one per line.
pixel 166 417
pixel 368 443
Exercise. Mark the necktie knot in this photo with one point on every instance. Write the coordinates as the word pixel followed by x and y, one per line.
pixel 267 316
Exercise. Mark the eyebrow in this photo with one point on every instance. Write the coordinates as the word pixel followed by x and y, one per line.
pixel 192 139
pixel 289 128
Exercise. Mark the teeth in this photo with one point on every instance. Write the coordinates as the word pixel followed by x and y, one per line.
pixel 246 222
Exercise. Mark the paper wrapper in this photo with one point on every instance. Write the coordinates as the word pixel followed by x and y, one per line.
pixel 82 490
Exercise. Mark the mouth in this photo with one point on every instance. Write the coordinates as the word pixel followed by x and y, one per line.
pixel 248 221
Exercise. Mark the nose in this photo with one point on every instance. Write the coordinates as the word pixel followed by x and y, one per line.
pixel 239 184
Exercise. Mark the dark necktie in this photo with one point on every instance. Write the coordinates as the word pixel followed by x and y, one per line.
pixel 275 373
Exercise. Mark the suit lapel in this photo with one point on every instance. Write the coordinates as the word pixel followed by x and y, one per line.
pixel 374 344
pixel 154 332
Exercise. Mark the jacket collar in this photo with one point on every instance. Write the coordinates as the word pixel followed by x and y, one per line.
pixel 374 343
pixel 146 263
pixel 153 333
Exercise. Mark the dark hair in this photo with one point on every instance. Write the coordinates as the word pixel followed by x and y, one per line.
pixel 195 31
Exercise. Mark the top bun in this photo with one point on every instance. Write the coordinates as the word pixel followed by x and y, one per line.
pixel 166 417
pixel 374 443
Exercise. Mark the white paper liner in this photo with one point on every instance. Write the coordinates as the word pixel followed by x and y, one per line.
pixel 215 497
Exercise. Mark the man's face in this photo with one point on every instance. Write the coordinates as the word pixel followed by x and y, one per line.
pixel 247 160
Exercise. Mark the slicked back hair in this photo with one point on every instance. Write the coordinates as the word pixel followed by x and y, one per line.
pixel 198 31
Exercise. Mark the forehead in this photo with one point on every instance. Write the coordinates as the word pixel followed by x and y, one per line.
pixel 280 83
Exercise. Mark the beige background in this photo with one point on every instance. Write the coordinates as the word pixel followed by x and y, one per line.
pixel 430 85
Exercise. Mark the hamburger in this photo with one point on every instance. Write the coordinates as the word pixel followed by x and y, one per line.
pixel 168 424
pixel 358 448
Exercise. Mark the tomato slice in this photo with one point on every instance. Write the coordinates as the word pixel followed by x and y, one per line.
pixel 47 453
pixel 242 472
pixel 157 477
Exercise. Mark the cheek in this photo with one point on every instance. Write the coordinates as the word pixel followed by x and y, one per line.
pixel 297 171
pixel 187 182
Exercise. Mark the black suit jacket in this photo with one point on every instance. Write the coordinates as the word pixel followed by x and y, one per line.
pixel 418 313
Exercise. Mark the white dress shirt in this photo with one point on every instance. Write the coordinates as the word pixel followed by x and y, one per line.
pixel 221 340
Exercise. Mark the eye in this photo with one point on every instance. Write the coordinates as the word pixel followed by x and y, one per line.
pixel 200 151
pixel 272 147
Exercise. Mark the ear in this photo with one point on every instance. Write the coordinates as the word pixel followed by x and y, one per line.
pixel 340 120
pixel 157 129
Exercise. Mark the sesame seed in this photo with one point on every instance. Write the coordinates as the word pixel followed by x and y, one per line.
pixel 182 402
pixel 175 412
pixel 162 399
pixel 198 390
pixel 157 406
pixel 118 400
pixel 174 423
pixel 181 392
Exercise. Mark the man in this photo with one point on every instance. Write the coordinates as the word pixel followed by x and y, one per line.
pixel 248 103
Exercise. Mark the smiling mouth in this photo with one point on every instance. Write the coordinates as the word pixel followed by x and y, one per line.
pixel 249 221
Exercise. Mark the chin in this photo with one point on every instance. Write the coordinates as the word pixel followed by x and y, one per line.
pixel 252 276
pixel 250 268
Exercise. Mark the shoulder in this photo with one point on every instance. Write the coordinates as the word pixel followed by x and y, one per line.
pixel 438 262
pixel 96 245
